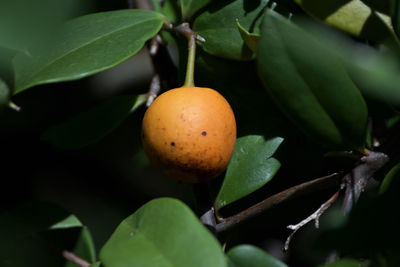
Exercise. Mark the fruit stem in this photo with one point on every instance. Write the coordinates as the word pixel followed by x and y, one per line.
pixel 189 79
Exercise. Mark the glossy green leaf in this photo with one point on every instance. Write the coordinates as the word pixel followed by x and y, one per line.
pixel 92 125
pixel 250 39
pixel 344 263
pixel 87 45
pixel 314 91
pixel 251 167
pixel 354 17
pixel 4 94
pixel 190 7
pixel 163 232
pixel 68 222
pixel 218 26
pixel 29 231
pixel 251 256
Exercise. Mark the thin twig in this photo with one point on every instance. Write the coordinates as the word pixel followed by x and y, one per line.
pixel 155 88
pixel 315 216
pixel 279 198
pixel 75 259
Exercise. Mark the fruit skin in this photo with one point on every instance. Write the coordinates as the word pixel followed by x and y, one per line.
pixel 189 133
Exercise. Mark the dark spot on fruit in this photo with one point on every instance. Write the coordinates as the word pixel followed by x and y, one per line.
pixel 172 143
pixel 203 133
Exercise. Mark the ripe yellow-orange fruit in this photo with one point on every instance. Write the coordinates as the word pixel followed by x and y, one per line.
pixel 189 133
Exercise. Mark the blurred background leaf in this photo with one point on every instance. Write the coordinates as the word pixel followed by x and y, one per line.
pixel 190 7
pixel 345 263
pixel 315 92
pixel 24 23
pixel 92 125
pixel 35 234
pixel 4 94
pixel 251 256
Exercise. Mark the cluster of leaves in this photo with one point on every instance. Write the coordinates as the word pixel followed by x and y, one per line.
pixel 319 82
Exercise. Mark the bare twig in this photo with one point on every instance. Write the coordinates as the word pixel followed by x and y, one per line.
pixel 279 198
pixel 75 259
pixel 315 216
pixel 155 43
pixel 357 180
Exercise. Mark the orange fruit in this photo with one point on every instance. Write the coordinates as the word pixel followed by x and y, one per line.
pixel 189 133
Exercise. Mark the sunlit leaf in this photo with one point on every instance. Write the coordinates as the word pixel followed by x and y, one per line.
pixel 251 167
pixel 87 45
pixel 354 17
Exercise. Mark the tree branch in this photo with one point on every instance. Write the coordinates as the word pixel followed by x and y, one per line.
pixel 279 198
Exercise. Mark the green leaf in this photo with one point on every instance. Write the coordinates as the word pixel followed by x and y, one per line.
pixel 168 8
pixel 190 7
pixel 91 126
pixel 84 247
pixel 68 222
pixel 251 256
pixel 163 232
pixel 24 23
pixel 344 263
pixel 87 45
pixel 95 264
pixel 250 39
pixel 376 74
pixel 251 167
pixel 395 15
pixel 4 94
pixel 393 174
pixel 315 92
pixel 32 230
pixel 218 26
pixel 353 17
